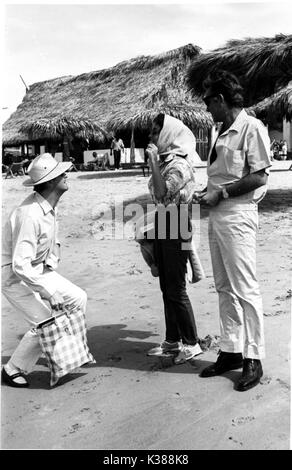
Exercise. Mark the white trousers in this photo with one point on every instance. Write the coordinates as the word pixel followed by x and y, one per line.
pixel 232 238
pixel 34 310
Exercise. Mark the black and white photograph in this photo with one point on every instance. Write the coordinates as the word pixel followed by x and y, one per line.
pixel 146 228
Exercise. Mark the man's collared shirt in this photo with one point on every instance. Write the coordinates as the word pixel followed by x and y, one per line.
pixel 29 238
pixel 179 179
pixel 242 149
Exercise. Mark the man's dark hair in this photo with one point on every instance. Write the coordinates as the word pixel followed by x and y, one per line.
pixel 39 188
pixel 225 83
pixel 159 120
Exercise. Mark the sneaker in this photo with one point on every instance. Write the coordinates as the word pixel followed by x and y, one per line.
pixel 164 348
pixel 187 353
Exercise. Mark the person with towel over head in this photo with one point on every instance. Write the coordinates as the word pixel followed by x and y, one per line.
pixel 172 156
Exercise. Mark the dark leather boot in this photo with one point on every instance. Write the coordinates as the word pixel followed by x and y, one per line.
pixel 225 361
pixel 251 374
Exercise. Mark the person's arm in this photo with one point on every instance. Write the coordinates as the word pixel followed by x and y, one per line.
pixel 246 184
pixel 159 185
pixel 257 143
pixel 199 194
pixel 24 252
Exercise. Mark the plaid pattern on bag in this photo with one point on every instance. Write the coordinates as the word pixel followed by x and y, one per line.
pixel 64 342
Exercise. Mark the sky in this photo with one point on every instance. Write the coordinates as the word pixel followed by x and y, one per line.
pixel 41 41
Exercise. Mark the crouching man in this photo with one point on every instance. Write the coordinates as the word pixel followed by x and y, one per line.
pixel 31 253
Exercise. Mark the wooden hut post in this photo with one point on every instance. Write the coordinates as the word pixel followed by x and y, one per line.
pixel 132 150
pixel 66 148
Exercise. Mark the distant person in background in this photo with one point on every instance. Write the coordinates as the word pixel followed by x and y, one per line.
pixel 90 165
pixel 102 161
pixel 117 146
pixel 27 161
pixel 7 160
pixel 272 149
pixel 283 150
pixel 276 150
pixel 73 167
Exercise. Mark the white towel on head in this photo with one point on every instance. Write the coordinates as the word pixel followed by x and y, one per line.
pixel 176 137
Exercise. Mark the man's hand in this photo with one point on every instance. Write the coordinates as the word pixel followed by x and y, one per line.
pixel 52 261
pixel 211 198
pixel 56 301
pixel 152 152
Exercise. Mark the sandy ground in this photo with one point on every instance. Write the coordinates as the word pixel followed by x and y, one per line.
pixel 128 400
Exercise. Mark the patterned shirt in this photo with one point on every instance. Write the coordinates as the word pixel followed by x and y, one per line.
pixel 179 179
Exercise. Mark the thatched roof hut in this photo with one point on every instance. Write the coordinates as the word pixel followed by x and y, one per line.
pixel 275 107
pixel 129 92
pixel 263 65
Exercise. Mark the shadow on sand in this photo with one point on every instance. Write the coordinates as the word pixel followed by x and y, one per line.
pixel 114 346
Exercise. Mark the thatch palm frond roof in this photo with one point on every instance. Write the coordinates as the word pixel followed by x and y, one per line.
pixel 263 65
pixel 193 117
pixel 275 107
pixel 176 102
pixel 129 88
pixel 56 128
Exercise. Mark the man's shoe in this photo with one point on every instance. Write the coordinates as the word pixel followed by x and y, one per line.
pixel 251 374
pixel 226 361
pixel 10 379
pixel 164 348
pixel 187 353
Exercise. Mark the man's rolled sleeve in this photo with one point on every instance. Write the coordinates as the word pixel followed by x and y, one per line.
pixel 258 149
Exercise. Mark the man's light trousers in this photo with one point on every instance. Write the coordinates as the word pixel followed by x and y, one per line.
pixel 232 238
pixel 35 310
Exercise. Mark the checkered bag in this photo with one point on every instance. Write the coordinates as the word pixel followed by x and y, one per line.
pixel 64 342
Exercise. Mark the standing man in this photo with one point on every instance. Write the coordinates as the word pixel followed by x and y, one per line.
pixel 31 253
pixel 237 177
pixel 117 146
